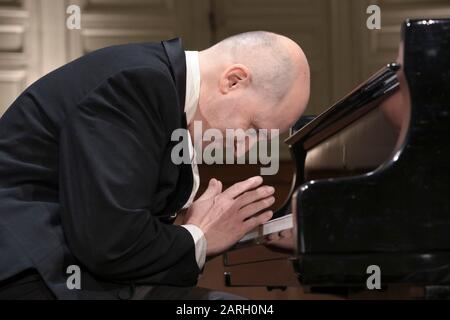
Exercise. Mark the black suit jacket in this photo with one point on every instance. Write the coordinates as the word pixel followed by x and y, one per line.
pixel 86 175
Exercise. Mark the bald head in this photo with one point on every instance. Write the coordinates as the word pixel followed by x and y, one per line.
pixel 253 80
pixel 267 56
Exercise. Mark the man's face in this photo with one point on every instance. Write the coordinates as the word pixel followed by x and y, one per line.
pixel 235 110
pixel 235 104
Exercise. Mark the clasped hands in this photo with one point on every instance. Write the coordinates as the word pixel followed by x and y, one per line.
pixel 226 216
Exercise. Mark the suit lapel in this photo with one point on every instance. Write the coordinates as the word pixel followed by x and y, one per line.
pixel 175 54
pixel 177 59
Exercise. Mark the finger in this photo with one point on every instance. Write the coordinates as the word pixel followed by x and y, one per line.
pixel 255 207
pixel 286 233
pixel 214 188
pixel 240 187
pixel 253 222
pixel 255 195
pixel 273 237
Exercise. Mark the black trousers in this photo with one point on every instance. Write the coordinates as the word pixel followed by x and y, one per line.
pixel 29 285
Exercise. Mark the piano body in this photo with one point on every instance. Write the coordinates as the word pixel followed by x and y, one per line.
pixel 371 185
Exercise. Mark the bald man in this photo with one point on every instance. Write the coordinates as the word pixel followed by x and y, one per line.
pixel 88 188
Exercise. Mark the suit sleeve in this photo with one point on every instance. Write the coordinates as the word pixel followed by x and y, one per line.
pixel 110 150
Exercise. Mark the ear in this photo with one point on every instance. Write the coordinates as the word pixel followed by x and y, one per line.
pixel 234 77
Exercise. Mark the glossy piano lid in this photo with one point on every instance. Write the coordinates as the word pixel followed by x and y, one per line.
pixel 347 110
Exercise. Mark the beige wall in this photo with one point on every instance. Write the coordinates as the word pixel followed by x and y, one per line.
pixel 341 50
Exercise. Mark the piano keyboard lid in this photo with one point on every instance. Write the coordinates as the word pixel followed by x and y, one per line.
pixel 358 102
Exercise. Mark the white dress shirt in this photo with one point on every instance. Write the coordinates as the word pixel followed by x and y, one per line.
pixel 190 107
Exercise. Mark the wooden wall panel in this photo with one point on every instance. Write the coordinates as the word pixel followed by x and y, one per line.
pixel 13 19
pixel 110 22
pixel 17 49
pixel 12 83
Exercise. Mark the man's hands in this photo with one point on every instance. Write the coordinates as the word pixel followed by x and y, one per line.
pixel 225 217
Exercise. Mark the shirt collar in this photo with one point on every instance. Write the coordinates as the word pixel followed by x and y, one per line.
pixel 192 84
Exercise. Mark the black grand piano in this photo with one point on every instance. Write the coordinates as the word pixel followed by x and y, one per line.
pixel 371 185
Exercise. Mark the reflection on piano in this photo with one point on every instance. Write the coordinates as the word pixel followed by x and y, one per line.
pixel 371 185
